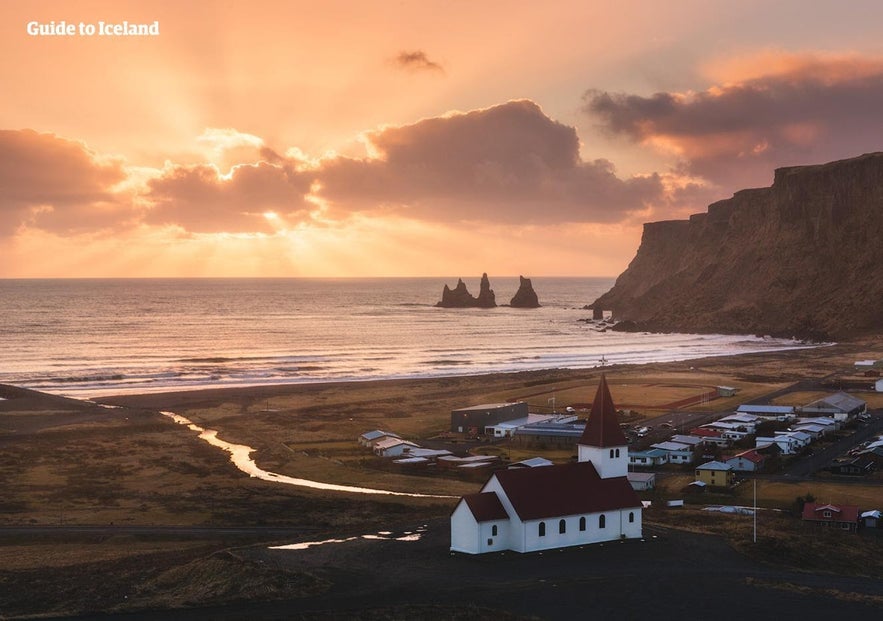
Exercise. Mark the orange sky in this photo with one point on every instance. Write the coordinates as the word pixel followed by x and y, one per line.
pixel 408 138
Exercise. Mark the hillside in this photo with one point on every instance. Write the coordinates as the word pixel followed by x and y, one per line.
pixel 802 258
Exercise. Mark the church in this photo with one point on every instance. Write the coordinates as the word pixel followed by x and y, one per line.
pixel 547 507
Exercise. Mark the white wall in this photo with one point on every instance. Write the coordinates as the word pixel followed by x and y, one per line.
pixel 616 525
pixel 464 530
pixel 607 466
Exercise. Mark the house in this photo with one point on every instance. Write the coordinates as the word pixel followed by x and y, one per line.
pixel 747 421
pixel 839 406
pixel 649 458
pixel 726 391
pixel 747 461
pixel 716 474
pixel 878 385
pixel 710 436
pixel 692 441
pixel 577 503
pixel 642 481
pixel 836 516
pixel 392 447
pixel 801 439
pixel 786 444
pixel 370 438
pixel 474 419
pixel 855 466
pixel 677 453
pixel 813 430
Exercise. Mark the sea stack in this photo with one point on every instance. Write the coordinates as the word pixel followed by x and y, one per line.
pixel 525 297
pixel 459 296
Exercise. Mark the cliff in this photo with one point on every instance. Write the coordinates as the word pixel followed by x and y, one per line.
pixel 525 297
pixel 459 296
pixel 802 258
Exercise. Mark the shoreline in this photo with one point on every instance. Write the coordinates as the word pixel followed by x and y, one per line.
pixel 816 361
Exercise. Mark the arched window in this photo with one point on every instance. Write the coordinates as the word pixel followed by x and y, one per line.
pixel 631 516
pixel 494 530
pixel 542 529
pixel 582 523
pixel 602 522
pixel 617 452
pixel 562 527
pixel 611 453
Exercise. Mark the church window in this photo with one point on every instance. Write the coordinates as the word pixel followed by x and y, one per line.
pixel 631 517
pixel 582 523
pixel 611 453
pixel 542 529
pixel 562 527
pixel 494 530
pixel 617 452
pixel 602 521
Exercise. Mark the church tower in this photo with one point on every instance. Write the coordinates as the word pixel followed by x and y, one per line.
pixel 603 442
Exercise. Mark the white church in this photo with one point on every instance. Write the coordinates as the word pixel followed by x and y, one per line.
pixel 546 507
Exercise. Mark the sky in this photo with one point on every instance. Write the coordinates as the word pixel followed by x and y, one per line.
pixel 408 138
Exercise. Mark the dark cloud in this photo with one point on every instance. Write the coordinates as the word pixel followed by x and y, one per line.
pixel 734 135
pixel 509 163
pixel 417 60
pixel 55 184
pixel 200 200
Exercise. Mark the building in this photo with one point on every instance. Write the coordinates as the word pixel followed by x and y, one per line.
pixel 677 453
pixel 786 444
pixel 853 466
pixel 370 438
pixel 531 509
pixel 726 391
pixel 781 413
pixel 839 406
pixel 716 474
pixel 747 461
pixel 642 481
pixel 476 418
pixel 507 429
pixel 649 458
pixel 878 385
pixel 550 433
pixel 393 447
pixel 837 516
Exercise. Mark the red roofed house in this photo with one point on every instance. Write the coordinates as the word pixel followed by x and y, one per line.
pixel 747 461
pixel 529 509
pixel 838 516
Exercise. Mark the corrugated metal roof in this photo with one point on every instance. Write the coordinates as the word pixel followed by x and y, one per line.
pixel 714 465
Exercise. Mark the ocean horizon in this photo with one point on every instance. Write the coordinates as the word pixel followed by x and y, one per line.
pixel 94 337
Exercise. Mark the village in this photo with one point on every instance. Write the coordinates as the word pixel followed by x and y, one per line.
pixel 820 430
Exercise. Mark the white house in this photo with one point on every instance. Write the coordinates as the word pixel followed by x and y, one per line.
pixel 392 447
pixel 677 453
pixel 370 438
pixel 651 457
pixel 801 438
pixel 787 444
pixel 642 481
pixel 530 509
pixel 748 421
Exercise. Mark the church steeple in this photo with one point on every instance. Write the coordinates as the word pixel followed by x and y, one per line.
pixel 603 442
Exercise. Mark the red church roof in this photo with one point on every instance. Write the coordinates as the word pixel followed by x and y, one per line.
pixel 486 507
pixel 564 489
pixel 603 426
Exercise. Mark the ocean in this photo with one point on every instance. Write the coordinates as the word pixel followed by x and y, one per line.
pixel 88 338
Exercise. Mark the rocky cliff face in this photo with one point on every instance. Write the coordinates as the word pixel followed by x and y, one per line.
pixel 459 296
pixel 525 297
pixel 802 258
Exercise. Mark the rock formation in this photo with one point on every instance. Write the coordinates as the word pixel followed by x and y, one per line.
pixel 801 258
pixel 459 296
pixel 525 297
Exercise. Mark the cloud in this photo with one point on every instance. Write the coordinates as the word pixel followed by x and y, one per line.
pixel 200 199
pixel 801 110
pixel 56 184
pixel 508 163
pixel 417 60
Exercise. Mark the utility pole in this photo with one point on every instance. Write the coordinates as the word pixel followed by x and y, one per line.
pixel 755 509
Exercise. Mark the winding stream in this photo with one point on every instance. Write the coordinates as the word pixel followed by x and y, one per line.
pixel 240 456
